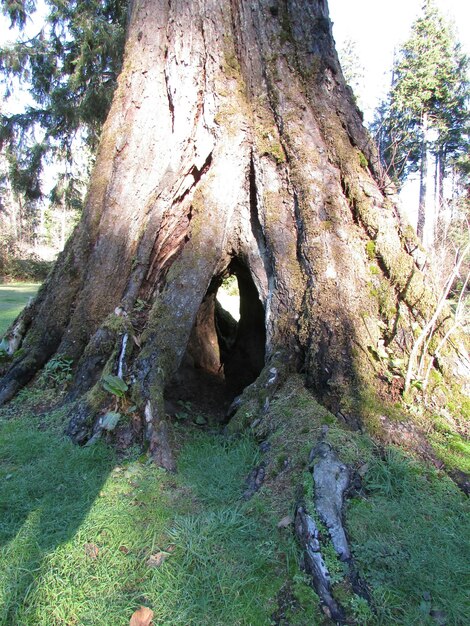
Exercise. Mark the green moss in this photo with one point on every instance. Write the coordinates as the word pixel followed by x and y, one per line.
pixel 307 607
pixel 285 35
pixel 363 162
pixel 327 225
pixel 453 450
pixel 231 63
pixel 118 324
pixel 370 250
pixel 268 144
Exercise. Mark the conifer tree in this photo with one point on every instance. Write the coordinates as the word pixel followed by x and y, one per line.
pixel 426 110
pixel 70 68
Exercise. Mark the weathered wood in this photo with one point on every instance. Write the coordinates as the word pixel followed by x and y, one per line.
pixel 331 479
pixel 307 534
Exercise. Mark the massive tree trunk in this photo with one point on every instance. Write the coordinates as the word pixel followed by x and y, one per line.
pixel 233 145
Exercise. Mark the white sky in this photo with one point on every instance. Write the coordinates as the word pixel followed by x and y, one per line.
pixel 379 26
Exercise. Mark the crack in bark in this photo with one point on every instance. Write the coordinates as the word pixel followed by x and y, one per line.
pixel 173 231
pixel 256 225
pixel 171 105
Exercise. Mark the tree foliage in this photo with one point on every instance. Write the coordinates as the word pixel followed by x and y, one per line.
pixel 351 66
pixel 429 92
pixel 70 68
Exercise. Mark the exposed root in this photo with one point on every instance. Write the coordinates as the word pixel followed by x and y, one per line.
pixel 307 535
pixel 331 479
pixel 160 449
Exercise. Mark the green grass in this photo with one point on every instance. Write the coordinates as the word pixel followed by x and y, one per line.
pixel 411 540
pixel 80 529
pixel 47 487
pixel 13 297
pixel 409 526
pixel 77 532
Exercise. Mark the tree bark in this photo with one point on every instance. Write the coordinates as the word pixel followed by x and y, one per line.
pixel 423 179
pixel 232 145
pixel 439 229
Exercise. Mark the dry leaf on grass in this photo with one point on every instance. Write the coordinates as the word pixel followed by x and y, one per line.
pixel 285 522
pixel 141 617
pixel 91 550
pixel 156 560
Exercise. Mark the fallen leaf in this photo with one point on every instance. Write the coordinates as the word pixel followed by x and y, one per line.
pixel 91 550
pixel 362 471
pixel 156 560
pixel 110 420
pixel 285 522
pixel 141 617
pixel 123 549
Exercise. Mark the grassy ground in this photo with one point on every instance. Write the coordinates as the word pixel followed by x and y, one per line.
pixel 86 537
pixel 13 297
pixel 87 540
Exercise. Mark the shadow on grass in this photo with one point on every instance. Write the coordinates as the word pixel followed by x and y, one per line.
pixel 78 534
pixel 47 487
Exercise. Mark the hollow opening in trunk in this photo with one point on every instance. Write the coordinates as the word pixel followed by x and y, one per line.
pixel 226 349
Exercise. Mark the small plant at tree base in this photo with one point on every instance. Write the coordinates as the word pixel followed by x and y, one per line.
pixel 140 305
pixel 185 412
pixel 361 610
pixel 109 420
pixel 114 385
pixel 58 370
pixel 199 420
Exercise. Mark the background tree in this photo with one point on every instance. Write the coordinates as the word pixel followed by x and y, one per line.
pixel 426 112
pixel 351 66
pixel 70 68
pixel 233 146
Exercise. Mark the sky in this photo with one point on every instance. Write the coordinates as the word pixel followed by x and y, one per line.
pixel 379 26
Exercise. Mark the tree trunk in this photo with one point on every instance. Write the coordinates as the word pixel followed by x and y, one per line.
pixel 232 146
pixel 423 179
pixel 439 228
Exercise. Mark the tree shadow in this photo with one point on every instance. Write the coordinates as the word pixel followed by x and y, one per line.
pixel 47 487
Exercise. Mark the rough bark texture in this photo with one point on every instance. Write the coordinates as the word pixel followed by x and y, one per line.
pixel 232 145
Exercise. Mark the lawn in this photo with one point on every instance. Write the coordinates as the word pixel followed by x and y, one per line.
pixel 13 297
pixel 89 534
pixel 86 538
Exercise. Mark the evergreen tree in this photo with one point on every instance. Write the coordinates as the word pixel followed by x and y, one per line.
pixel 426 110
pixel 70 68
pixel 353 70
